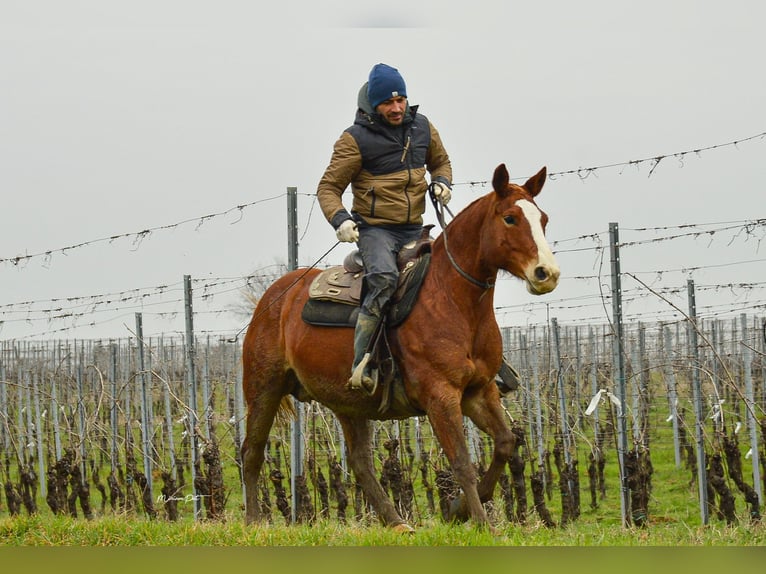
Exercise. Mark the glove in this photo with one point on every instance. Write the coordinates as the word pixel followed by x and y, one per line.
pixel 347 232
pixel 442 192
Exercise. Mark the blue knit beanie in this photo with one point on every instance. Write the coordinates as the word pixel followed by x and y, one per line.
pixel 384 83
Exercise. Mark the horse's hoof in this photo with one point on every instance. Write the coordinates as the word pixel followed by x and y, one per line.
pixel 458 511
pixel 403 528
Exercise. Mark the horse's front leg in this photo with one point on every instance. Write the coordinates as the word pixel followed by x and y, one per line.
pixel 485 410
pixel 446 418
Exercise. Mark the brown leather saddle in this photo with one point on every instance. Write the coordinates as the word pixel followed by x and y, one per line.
pixel 336 293
pixel 334 298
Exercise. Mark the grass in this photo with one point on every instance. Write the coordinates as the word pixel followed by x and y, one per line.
pixel 138 532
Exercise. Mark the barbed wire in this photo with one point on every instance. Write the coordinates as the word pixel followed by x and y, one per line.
pixel 213 287
pixel 747 227
pixel 584 172
pixel 139 236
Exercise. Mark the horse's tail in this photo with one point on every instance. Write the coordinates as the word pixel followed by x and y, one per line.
pixel 286 411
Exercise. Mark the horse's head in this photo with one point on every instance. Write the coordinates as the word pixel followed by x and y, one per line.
pixel 517 232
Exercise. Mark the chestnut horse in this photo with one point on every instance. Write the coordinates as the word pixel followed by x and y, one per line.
pixel 448 350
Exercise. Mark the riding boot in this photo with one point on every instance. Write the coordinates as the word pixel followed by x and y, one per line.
pixel 507 379
pixel 360 373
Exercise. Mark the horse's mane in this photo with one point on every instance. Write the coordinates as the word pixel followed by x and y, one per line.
pixel 464 213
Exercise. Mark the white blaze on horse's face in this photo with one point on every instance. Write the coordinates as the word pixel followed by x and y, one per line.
pixel 542 275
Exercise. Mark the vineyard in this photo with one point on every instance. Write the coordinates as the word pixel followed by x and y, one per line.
pixel 98 428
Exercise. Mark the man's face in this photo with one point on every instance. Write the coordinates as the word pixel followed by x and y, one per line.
pixel 392 110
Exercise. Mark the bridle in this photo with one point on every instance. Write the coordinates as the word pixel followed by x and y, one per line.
pixel 439 207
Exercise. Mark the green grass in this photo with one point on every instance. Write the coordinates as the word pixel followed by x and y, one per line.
pixel 131 532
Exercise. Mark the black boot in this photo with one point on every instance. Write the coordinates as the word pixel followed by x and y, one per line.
pixel 507 379
pixel 363 333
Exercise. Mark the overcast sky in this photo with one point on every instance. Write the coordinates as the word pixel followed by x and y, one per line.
pixel 123 117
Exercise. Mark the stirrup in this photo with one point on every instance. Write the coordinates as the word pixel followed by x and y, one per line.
pixel 361 380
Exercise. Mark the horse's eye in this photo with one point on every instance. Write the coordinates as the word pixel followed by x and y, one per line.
pixel 509 220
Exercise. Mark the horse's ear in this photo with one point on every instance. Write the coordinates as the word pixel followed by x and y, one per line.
pixel 500 180
pixel 535 183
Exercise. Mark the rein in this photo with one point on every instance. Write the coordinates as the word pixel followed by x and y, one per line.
pixel 283 293
pixel 439 207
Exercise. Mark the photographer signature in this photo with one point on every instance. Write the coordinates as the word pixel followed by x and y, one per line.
pixel 162 499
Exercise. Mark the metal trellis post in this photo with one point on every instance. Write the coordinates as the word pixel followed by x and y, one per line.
pixel 619 371
pixel 698 408
pixel 296 440
pixel 191 378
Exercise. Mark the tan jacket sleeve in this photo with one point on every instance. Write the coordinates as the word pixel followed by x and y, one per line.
pixel 437 159
pixel 345 164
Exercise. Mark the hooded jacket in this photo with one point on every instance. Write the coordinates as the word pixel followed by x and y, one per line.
pixel 385 166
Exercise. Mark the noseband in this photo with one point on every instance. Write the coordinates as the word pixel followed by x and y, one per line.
pixel 439 207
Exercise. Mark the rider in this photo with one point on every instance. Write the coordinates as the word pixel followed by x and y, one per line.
pixel 384 156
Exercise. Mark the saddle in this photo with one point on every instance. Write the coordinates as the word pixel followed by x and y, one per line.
pixel 334 299
pixel 336 293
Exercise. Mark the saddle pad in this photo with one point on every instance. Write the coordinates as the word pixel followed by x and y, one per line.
pixel 329 313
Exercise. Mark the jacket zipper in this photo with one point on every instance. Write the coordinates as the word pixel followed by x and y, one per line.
pixel 409 177
pixel 406 149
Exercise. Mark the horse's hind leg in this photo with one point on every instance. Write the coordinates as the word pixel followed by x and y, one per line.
pixel 262 404
pixel 358 440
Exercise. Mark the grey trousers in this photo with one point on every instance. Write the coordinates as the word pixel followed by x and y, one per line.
pixel 379 247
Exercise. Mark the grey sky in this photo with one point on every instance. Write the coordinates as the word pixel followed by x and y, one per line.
pixel 117 117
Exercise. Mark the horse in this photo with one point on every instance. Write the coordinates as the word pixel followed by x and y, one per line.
pixel 448 351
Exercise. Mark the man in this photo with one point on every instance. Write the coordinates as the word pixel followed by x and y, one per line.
pixel 384 156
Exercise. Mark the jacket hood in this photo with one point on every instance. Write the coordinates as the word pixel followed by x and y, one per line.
pixel 363 103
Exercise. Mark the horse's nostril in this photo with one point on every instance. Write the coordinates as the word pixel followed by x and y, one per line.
pixel 541 274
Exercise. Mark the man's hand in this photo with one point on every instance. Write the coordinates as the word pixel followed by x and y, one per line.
pixel 442 192
pixel 347 232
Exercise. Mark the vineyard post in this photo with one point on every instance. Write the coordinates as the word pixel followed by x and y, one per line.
pixel 578 380
pixel 593 390
pixel 113 408
pixel 26 407
pixel 643 379
pixel 528 393
pixel 473 439
pixel 55 408
pixel 342 443
pixel 619 371
pixel 5 439
pixel 750 409
pixel 634 392
pixel 168 412
pixel 539 411
pixel 57 404
pixel 296 440
pixel 146 431
pixel 206 412
pixel 127 422
pixel 153 449
pixel 239 420
pixel 191 379
pixel 670 377
pixel 761 330
pixel 81 418
pixel 698 408
pixel 565 434
pixel 716 366
pixel 19 413
pixel 39 436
